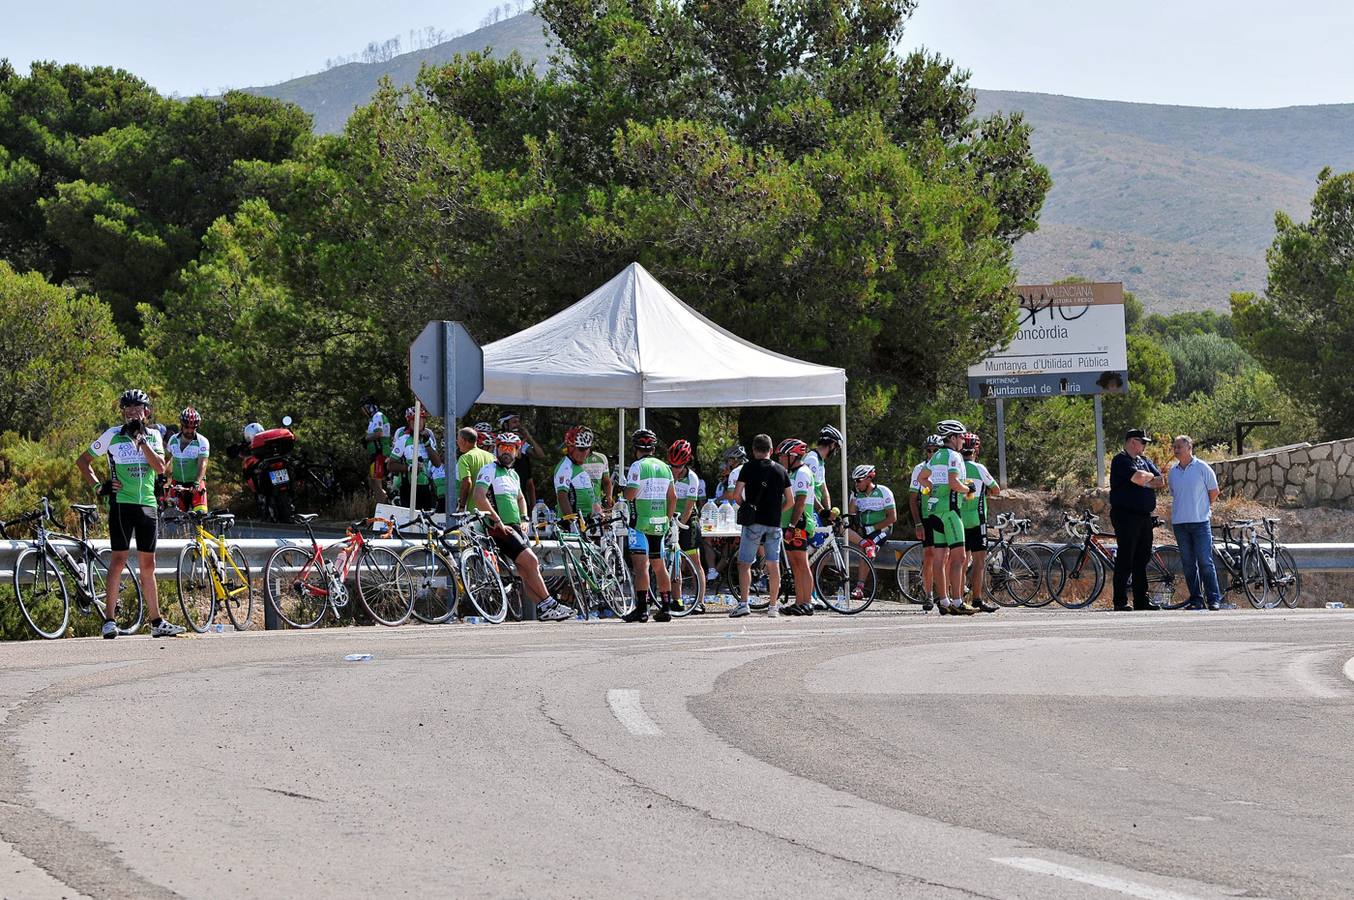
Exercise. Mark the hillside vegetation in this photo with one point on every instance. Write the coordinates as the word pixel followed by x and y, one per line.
pixel 1177 202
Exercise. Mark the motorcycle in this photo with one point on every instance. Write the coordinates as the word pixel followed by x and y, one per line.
pixel 269 469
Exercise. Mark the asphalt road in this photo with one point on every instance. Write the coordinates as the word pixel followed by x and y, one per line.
pixel 1027 754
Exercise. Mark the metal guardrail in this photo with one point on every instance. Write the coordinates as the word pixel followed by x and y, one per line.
pixel 1309 557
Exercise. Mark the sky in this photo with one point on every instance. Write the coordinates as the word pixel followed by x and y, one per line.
pixel 1241 53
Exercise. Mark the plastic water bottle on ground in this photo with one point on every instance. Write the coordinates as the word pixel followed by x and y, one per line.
pixel 358 657
pixel 474 620
pixel 1335 604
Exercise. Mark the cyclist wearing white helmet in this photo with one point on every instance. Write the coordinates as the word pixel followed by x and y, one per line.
pixel 575 491
pixel 598 467
pixel 498 492
pixel 135 455
pixel 829 441
pixel 946 475
pixel 873 512
pixel 377 442
pixel 917 495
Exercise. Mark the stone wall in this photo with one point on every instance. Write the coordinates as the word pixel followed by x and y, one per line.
pixel 1299 475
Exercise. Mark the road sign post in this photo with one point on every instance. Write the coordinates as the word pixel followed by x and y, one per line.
pixel 446 374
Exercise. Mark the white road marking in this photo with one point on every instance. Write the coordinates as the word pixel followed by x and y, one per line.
pixel 724 648
pixel 1349 668
pixel 625 706
pixel 1109 883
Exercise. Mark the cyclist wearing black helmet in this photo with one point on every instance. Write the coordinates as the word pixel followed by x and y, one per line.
pixel 136 455
pixel 829 441
pixel 652 498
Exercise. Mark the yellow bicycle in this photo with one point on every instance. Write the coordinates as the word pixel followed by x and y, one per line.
pixel 214 573
pixel 436 576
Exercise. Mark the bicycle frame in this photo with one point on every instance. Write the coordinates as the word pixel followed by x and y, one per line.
pixel 215 556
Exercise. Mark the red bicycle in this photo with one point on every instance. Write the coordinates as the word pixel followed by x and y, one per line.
pixel 301 585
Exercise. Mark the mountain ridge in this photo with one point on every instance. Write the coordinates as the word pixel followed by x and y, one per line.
pixel 1176 201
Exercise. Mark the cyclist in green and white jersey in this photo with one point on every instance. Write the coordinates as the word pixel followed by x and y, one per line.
pixel 377 442
pixel 135 455
pixel 946 476
pixel 798 524
pixel 829 441
pixel 596 464
pixel 873 510
pixel 429 458
pixel 652 498
pixel 973 510
pixel 498 491
pixel 575 490
pixel 188 452
pixel 917 495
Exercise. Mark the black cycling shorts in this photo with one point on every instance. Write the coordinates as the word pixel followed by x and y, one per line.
pixel 928 537
pixel 509 541
pixel 974 539
pixel 650 545
pixel 128 520
pixel 689 538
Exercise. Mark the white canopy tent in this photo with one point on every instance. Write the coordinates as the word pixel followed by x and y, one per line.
pixel 632 343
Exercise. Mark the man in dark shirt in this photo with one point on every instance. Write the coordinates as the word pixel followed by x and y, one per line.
pixel 762 494
pixel 1134 482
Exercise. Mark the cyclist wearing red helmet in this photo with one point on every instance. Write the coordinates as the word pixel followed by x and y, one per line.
pixel 687 484
pixel 188 452
pixel 973 511
pixel 498 492
pixel 798 523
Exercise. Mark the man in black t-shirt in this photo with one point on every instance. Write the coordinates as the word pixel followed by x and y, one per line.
pixel 762 494
pixel 1134 481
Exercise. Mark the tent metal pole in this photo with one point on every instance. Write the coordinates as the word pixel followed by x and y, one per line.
pixel 846 484
pixel 620 449
pixel 641 418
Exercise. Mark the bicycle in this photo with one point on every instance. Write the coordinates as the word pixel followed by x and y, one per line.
pixel 436 578
pixel 837 567
pixel 1011 572
pixel 213 573
pixel 476 572
pixel 1281 570
pixel 40 587
pixel 598 573
pixel 684 574
pixel 1242 559
pixel 301 585
pixel 1076 574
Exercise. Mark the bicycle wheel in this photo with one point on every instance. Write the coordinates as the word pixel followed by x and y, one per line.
pixel 1012 576
pixel 622 602
pixel 296 586
pixel 908 573
pixel 131 603
pixel 579 594
pixel 435 584
pixel 1254 578
pixel 1166 578
pixel 484 587
pixel 837 577
pixel 384 586
pixel 759 594
pixel 1287 581
pixel 1076 577
pixel 239 602
pixel 1043 553
pixel 41 591
pixel 197 587
pixel 689 586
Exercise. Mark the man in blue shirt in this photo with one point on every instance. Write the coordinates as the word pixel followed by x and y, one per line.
pixel 1134 481
pixel 1194 487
